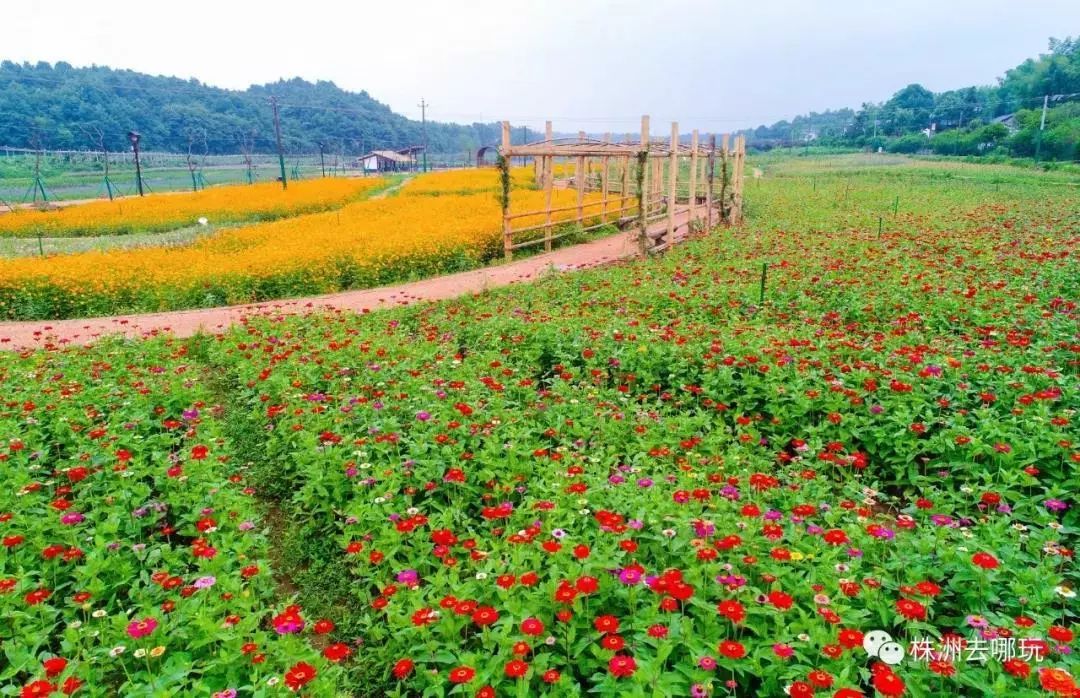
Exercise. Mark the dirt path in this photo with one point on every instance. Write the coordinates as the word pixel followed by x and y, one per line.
pixel 184 323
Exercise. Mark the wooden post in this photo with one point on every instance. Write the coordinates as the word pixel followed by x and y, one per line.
pixel 549 175
pixel 709 185
pixel 740 159
pixel 693 173
pixel 625 194
pixel 725 180
pixel 673 176
pixel 504 171
pixel 605 163
pixel 579 180
pixel 643 186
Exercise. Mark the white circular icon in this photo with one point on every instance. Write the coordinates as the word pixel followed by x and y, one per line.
pixel 891 653
pixel 873 641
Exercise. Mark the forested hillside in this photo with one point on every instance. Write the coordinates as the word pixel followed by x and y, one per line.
pixel 62 107
pixel 1000 119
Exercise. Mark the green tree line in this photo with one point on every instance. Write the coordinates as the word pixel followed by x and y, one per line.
pixel 62 107
pixel 1003 119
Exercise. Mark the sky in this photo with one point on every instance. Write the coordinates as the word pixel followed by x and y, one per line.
pixel 586 64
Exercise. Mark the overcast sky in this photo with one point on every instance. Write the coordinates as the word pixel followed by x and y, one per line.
pixel 710 64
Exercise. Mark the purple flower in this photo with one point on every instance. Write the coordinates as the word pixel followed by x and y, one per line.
pixel 423 416
pixel 408 577
pixel 205 582
pixel 71 518
pixel 1055 505
pixel 876 409
pixel 707 663
pixel 645 482
pixel 630 575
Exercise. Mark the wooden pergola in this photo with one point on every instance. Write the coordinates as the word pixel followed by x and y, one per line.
pixel 657 185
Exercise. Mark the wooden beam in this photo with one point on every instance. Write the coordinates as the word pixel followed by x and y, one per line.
pixel 673 177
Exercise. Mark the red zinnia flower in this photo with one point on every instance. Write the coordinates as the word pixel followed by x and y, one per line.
pixel 1057 681
pixel 732 610
pixel 336 652
pixel 1017 667
pixel 532 626
pixel 800 689
pixel 402 668
pixel 887 683
pixel 462 674
pixel 299 675
pixel 912 610
pixel 516 668
pixel 984 560
pixel 835 537
pixel 37 688
pixel 850 638
pixel 485 615
pixel 732 649
pixel 622 665
pixel 780 600
pixel 607 624
pixel 54 666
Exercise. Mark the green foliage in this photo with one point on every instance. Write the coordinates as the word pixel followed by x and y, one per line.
pixel 962 120
pixel 56 101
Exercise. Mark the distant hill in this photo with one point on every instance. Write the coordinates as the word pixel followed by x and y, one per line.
pixel 1001 119
pixel 62 107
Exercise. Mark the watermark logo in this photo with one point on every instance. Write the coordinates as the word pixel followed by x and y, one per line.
pixel 952 648
pixel 880 644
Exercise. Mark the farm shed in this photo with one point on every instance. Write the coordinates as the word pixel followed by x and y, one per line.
pixel 386 161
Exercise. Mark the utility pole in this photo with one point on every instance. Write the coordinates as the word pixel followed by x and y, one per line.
pixel 1042 125
pixel 134 137
pixel 524 141
pixel 280 150
pixel 322 159
pixel 423 122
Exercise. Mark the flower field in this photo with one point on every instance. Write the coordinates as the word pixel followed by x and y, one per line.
pixel 641 480
pixel 363 244
pixel 161 212
pixel 466 181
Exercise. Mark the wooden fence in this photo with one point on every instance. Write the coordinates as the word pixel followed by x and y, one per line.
pixel 654 185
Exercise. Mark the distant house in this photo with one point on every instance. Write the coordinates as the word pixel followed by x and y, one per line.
pixel 386 161
pixel 1008 121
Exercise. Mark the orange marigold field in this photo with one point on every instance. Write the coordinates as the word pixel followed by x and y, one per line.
pixel 159 212
pixel 363 244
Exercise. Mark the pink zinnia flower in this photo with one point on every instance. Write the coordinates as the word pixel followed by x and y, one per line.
pixel 142 628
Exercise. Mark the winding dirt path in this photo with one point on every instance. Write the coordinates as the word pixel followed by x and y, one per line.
pixel 184 323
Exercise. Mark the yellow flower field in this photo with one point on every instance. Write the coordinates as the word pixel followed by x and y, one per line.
pixel 160 212
pixel 466 181
pixel 363 244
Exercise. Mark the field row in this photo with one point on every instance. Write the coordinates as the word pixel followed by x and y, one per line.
pixel 642 480
pixel 437 223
